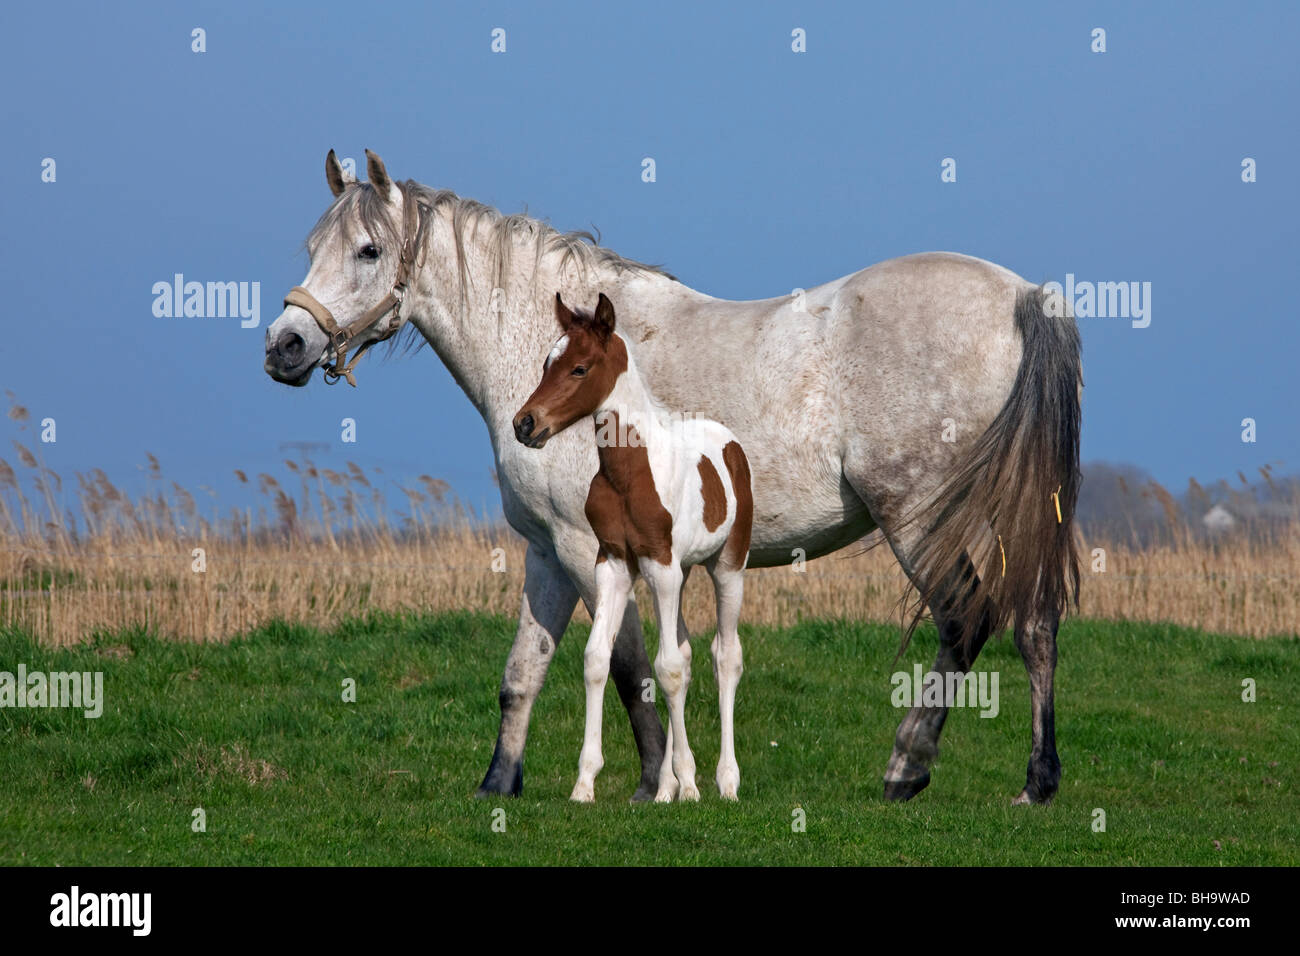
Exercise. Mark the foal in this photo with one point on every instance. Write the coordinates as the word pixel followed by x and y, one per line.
pixel 670 494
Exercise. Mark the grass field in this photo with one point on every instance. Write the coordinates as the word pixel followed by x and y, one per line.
pixel 1151 725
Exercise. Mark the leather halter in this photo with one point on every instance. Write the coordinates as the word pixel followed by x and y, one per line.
pixel 342 337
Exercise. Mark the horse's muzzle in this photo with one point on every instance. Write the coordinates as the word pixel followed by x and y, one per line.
pixel 287 360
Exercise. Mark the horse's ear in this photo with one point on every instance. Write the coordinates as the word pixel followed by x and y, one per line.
pixel 377 174
pixel 563 314
pixel 335 175
pixel 603 320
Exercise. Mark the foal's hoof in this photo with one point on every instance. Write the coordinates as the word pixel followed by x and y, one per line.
pixel 583 793
pixel 689 793
pixel 906 789
pixel 1026 798
pixel 728 784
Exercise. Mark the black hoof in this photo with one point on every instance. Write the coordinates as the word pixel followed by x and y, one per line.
pixel 499 783
pixel 906 789
pixel 644 793
pixel 1041 782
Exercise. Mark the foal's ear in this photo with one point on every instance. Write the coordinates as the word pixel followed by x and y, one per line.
pixel 377 174
pixel 335 175
pixel 563 314
pixel 603 320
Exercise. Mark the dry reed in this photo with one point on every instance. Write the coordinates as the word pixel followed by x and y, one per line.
pixel 328 549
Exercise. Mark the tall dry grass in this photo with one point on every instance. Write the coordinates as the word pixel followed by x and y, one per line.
pixel 322 546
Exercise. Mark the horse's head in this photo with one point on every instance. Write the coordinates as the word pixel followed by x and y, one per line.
pixel 579 373
pixel 362 251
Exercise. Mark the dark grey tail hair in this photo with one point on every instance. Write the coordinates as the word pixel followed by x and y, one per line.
pixel 1000 504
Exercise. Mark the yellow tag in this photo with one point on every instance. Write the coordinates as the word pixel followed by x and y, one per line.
pixel 1004 556
pixel 1056 499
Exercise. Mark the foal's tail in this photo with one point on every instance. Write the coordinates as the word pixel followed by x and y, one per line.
pixel 1009 505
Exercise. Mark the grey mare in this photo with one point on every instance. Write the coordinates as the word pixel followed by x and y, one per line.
pixel 935 397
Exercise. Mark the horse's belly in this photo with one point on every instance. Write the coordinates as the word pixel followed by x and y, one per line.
pixel 805 520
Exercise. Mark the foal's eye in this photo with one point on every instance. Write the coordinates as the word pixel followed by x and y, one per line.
pixel 368 251
pixel 579 370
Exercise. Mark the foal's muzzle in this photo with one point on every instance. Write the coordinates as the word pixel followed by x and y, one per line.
pixel 527 433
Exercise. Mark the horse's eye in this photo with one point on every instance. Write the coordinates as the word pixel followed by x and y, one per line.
pixel 579 370
pixel 368 251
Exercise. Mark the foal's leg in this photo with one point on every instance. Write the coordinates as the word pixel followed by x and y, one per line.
pixel 613 585
pixel 672 668
pixel 728 664
pixel 1036 641
pixel 667 780
pixel 916 745
pixel 630 668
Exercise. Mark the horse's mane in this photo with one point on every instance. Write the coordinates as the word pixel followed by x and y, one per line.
pixel 360 204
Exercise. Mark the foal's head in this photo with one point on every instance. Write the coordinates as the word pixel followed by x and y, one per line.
pixel 578 375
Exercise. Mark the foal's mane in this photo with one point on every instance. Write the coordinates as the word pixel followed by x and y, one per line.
pixel 360 204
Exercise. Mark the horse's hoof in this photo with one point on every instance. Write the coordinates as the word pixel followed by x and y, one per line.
pixel 583 793
pixel 906 789
pixel 495 783
pixel 1025 799
pixel 689 793
pixel 485 792
pixel 644 794
pixel 665 796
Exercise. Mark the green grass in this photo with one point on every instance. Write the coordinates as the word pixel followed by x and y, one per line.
pixel 1150 722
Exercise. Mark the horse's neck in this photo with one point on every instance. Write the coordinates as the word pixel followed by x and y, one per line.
pixel 495 347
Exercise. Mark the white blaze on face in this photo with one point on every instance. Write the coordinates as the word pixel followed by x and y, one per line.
pixel 557 350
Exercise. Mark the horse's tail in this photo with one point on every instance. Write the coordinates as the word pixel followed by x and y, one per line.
pixel 1006 512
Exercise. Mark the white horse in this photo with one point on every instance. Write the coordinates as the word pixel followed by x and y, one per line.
pixel 658 507
pixel 843 398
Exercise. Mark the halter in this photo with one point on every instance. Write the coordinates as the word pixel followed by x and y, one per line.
pixel 342 337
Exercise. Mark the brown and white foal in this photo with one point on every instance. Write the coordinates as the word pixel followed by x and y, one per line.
pixel 671 493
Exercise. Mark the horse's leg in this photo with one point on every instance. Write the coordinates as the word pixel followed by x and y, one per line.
pixel 1036 641
pixel 544 611
pixel 672 668
pixel 728 664
pixel 916 745
pixel 613 585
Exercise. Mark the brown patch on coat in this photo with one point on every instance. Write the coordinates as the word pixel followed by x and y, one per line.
pixel 623 506
pixel 715 496
pixel 735 553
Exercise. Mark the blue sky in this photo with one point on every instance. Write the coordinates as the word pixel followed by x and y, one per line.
pixel 774 170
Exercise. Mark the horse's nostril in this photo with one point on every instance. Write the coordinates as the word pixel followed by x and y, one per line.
pixel 526 426
pixel 290 348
